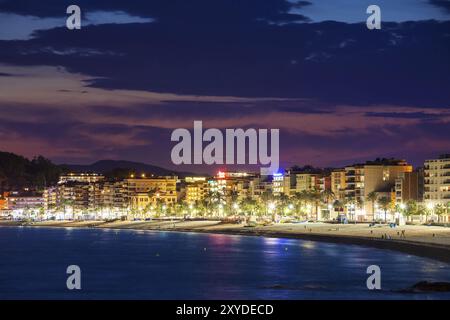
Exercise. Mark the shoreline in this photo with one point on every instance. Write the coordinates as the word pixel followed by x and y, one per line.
pixel 418 246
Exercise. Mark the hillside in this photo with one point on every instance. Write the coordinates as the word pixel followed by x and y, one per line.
pixel 120 167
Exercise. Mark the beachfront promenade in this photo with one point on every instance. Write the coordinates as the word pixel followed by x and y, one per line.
pixel 429 241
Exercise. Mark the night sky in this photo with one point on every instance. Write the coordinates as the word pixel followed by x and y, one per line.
pixel 338 92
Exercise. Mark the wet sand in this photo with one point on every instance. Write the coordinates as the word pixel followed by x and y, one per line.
pixel 427 241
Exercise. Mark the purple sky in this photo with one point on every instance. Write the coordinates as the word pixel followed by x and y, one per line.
pixel 116 89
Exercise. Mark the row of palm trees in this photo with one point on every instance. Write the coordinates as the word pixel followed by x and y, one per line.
pixel 408 209
pixel 304 204
pixel 308 204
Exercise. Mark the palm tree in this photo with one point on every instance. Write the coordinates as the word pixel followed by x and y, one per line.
pixel 283 201
pixel 182 208
pixel 300 199
pixel 266 198
pixel 447 209
pixel 68 203
pixel 439 209
pixel 148 208
pixel 315 198
pixel 51 207
pixel 133 213
pixel 411 209
pixel 234 195
pixel 372 197
pixel 384 203
pixel 422 210
pixel 328 196
pixel 214 199
pixel 249 206
pixel 359 204
pixel 41 213
pixel 208 201
pixel 160 207
pixel 203 207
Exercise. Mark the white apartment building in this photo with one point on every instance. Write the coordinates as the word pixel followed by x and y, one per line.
pixel 437 180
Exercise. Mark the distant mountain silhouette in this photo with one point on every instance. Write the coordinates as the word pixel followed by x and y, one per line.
pixel 105 166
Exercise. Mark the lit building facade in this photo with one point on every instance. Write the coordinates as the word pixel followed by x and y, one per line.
pixel 81 177
pixel 16 201
pixel 377 176
pixel 278 184
pixel 409 186
pixel 113 195
pixel 338 183
pixel 437 183
pixel 159 188
pixel 196 189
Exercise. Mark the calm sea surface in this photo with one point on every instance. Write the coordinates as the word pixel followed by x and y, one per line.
pixel 126 264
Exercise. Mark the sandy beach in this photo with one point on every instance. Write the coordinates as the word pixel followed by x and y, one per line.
pixel 427 241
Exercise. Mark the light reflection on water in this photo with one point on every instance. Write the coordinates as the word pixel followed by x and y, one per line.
pixel 127 264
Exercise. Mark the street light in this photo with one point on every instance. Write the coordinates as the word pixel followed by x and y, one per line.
pixel 272 206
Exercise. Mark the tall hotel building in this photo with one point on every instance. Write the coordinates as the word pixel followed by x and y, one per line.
pixel 338 184
pixel 196 189
pixel 437 180
pixel 374 176
pixel 142 192
pixel 409 186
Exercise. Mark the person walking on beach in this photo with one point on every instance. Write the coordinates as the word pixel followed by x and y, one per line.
pixel 403 234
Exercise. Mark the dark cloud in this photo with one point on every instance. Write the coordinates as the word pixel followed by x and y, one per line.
pixel 404 115
pixel 175 11
pixel 445 4
pixel 404 64
pixel 200 109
